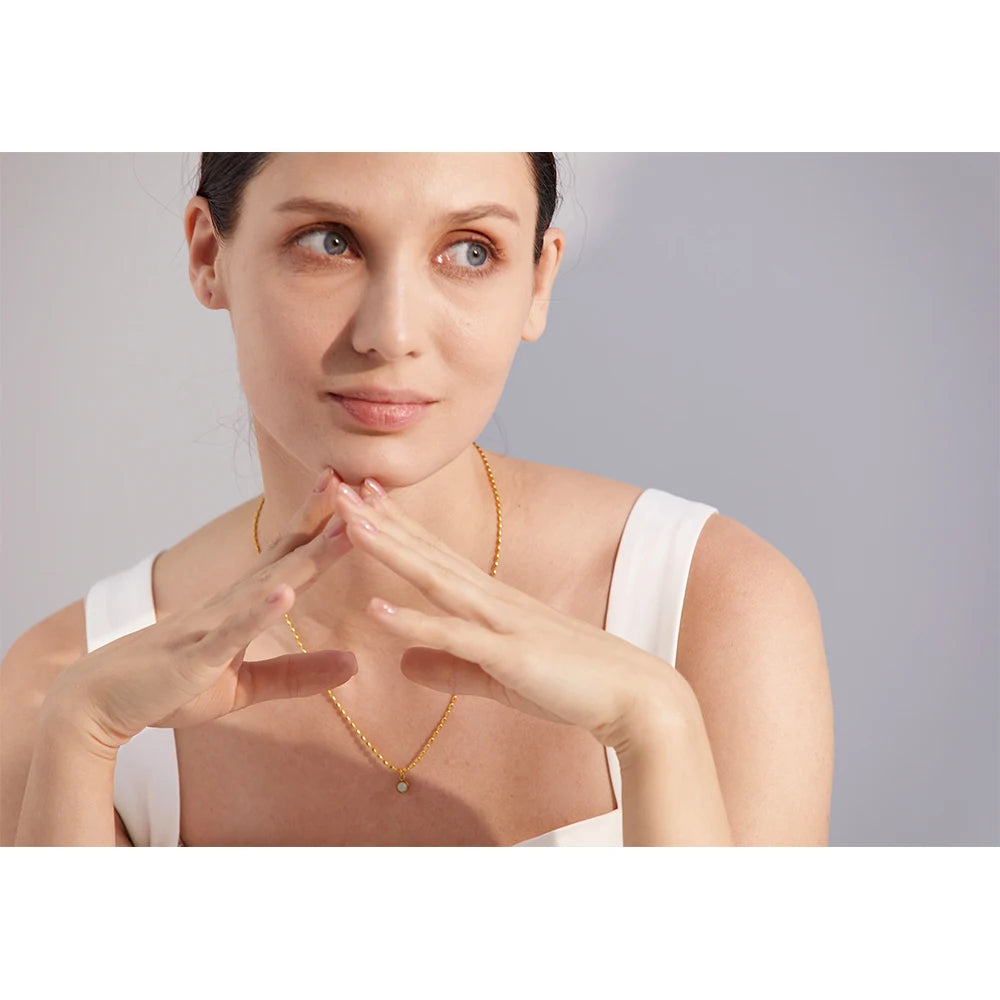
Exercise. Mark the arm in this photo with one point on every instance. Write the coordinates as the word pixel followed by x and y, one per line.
pixel 753 764
pixel 67 711
pixel 734 746
pixel 670 790
pixel 52 789
pixel 69 791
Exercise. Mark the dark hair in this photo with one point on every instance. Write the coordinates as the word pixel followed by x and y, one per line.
pixel 223 177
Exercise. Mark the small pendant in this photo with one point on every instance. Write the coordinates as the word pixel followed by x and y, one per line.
pixel 402 785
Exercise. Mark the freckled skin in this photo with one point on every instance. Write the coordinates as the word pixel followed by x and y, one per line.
pixel 401 307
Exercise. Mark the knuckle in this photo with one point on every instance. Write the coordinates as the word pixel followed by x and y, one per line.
pixel 217 600
pixel 220 636
pixel 482 612
pixel 436 590
pixel 435 630
pixel 279 548
pixel 293 539
pixel 184 642
pixel 486 610
pixel 196 631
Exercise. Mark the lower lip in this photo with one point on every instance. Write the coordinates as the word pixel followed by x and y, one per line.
pixel 387 416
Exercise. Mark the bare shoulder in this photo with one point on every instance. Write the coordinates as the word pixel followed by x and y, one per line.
pixel 751 647
pixel 730 553
pixel 737 583
pixel 540 489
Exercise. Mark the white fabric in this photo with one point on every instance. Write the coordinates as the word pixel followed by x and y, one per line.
pixel 648 584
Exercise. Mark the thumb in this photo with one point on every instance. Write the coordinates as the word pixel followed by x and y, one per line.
pixel 441 671
pixel 295 675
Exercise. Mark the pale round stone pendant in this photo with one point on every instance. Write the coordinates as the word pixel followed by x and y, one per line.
pixel 403 785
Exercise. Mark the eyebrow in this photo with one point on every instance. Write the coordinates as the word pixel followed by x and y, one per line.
pixel 338 211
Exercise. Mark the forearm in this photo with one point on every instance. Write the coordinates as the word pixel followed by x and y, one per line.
pixel 671 795
pixel 69 794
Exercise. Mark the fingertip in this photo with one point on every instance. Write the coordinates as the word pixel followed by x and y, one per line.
pixel 345 666
pixel 372 491
pixel 277 596
pixel 326 474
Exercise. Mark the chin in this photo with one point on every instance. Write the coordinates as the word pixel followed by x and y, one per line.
pixel 392 460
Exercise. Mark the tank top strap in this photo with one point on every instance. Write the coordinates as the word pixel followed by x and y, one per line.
pixel 651 570
pixel 649 580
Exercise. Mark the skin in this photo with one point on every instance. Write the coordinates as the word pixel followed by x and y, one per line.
pixel 395 300
pixel 397 310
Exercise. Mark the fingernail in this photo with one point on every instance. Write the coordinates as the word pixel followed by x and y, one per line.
pixel 346 491
pixel 374 487
pixel 384 606
pixel 324 479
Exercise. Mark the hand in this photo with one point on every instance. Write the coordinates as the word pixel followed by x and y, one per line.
pixel 189 668
pixel 497 642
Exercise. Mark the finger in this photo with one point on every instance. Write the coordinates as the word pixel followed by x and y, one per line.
pixel 375 497
pixel 295 675
pixel 461 638
pixel 454 586
pixel 315 539
pixel 389 515
pixel 386 516
pixel 443 587
pixel 308 520
pixel 441 671
pixel 212 635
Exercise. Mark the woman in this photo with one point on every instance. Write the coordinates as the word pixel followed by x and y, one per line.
pixel 406 639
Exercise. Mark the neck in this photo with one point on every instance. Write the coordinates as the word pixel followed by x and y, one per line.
pixel 454 504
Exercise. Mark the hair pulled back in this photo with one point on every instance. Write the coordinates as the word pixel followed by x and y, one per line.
pixel 224 176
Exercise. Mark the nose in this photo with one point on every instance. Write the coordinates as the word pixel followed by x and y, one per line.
pixel 389 317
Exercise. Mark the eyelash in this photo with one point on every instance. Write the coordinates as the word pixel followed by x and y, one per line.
pixel 495 253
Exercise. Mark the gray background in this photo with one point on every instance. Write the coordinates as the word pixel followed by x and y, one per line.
pixel 807 342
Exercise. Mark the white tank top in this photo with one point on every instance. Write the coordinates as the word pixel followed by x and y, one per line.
pixel 648 583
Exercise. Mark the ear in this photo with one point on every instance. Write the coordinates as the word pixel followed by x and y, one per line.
pixel 203 255
pixel 553 243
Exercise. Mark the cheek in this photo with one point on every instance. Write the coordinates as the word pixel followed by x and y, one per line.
pixel 281 332
pixel 485 334
pixel 478 353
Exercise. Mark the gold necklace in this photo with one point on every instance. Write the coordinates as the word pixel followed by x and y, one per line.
pixel 402 785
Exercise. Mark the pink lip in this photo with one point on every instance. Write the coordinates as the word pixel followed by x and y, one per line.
pixel 378 394
pixel 386 416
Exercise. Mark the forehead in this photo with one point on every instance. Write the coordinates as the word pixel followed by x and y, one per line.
pixel 417 186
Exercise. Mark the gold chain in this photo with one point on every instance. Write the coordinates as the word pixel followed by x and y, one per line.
pixel 403 785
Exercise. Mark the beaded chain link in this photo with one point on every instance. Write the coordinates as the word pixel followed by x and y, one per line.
pixel 403 784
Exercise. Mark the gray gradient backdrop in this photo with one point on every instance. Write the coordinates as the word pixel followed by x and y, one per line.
pixel 807 342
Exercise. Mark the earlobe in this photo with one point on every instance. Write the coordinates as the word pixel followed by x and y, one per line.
pixel 203 254
pixel 553 244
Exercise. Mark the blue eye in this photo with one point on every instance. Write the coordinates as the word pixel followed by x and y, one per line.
pixel 333 244
pixel 476 254
pixel 466 255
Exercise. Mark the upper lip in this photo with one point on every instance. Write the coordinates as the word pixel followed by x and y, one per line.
pixel 377 394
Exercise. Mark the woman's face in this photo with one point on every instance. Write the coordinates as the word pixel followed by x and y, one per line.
pixel 417 276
